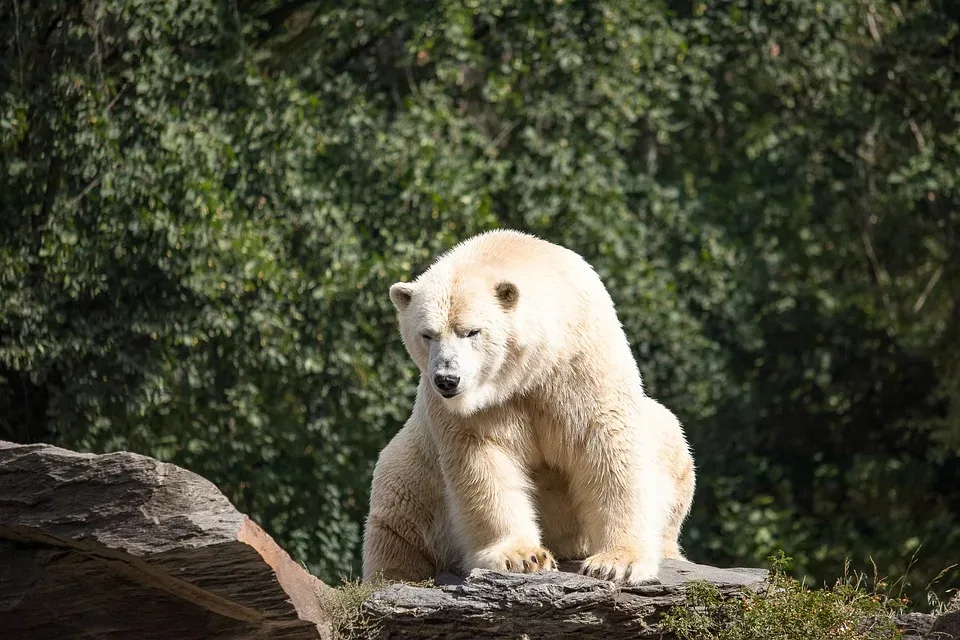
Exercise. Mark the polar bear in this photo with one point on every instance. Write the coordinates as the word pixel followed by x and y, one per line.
pixel 531 439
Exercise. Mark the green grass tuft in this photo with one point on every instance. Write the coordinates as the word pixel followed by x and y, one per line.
pixel 787 610
pixel 345 605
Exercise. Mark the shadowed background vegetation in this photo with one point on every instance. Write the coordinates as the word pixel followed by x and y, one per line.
pixel 203 203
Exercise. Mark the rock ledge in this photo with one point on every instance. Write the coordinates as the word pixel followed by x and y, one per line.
pixel 119 546
pixel 553 605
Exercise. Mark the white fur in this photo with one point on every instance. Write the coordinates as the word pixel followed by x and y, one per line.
pixel 550 449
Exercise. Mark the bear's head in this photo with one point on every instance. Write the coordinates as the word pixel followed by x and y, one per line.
pixel 459 329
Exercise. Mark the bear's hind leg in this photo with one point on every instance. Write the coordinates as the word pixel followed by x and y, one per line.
pixel 678 513
pixel 389 556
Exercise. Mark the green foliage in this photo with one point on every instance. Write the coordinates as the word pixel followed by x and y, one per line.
pixel 785 610
pixel 203 203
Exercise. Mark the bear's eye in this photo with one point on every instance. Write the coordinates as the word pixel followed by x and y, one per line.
pixel 426 336
pixel 473 332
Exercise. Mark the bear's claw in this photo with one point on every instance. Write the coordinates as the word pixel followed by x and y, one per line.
pixel 627 567
pixel 520 558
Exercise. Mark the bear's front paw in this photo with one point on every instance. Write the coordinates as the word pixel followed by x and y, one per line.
pixel 626 566
pixel 519 557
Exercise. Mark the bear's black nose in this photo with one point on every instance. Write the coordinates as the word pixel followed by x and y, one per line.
pixel 446 384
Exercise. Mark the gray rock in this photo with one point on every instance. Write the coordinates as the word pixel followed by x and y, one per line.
pixel 122 546
pixel 946 627
pixel 915 626
pixel 554 605
pixel 928 626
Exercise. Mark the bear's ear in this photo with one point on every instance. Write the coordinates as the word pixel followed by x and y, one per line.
pixel 401 293
pixel 507 294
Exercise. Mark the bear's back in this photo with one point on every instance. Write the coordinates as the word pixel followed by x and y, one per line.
pixel 513 251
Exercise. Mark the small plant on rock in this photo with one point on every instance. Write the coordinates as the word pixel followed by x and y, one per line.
pixel 787 610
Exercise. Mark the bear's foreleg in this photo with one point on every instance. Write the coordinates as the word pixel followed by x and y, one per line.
pixel 493 510
pixel 623 502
